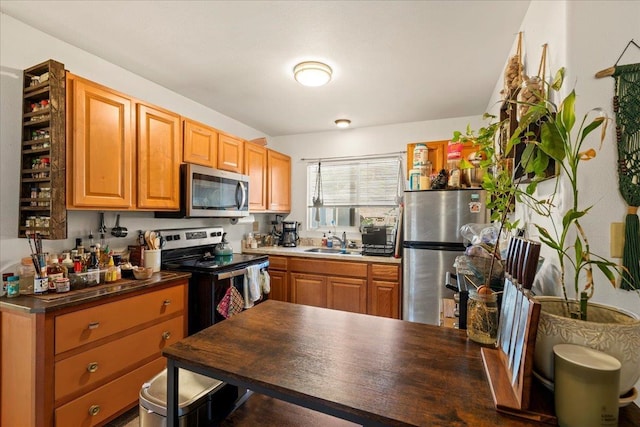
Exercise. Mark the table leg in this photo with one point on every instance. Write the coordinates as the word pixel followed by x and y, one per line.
pixel 172 394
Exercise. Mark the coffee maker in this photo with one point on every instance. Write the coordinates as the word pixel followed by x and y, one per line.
pixel 289 235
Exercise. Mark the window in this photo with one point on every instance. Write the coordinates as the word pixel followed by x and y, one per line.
pixel 354 193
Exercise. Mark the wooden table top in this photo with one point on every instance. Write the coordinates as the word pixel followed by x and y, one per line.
pixel 366 369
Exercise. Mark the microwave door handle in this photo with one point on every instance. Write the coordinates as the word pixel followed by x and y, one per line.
pixel 243 191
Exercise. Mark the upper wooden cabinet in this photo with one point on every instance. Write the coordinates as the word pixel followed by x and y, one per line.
pixel 230 153
pixel 159 157
pixel 110 165
pixel 200 144
pixel 437 154
pixel 100 146
pixel 269 179
pixel 278 182
pixel 255 166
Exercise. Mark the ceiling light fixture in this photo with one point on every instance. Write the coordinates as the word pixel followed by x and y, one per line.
pixel 312 73
pixel 343 123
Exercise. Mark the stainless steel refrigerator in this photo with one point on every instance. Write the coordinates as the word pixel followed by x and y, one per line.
pixel 431 242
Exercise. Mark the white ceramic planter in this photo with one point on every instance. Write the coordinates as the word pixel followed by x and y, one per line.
pixel 609 329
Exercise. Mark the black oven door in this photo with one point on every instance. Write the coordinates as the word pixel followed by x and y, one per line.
pixel 205 293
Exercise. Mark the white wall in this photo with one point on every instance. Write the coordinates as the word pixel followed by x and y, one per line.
pixel 22 46
pixel 586 37
pixel 354 142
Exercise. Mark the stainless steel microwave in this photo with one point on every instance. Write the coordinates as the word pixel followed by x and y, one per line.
pixel 208 193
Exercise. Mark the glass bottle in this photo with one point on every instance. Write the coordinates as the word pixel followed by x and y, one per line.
pixel 54 271
pixel 482 317
pixel 27 272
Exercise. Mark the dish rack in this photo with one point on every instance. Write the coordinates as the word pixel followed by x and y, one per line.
pixel 379 241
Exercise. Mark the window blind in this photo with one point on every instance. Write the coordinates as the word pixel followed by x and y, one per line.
pixel 356 183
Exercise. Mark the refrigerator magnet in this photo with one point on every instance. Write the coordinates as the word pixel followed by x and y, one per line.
pixel 475 207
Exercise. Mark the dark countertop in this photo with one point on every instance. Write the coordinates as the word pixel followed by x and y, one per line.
pixel 53 302
pixel 366 369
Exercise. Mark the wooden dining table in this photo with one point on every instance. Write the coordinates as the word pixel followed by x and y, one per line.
pixel 370 370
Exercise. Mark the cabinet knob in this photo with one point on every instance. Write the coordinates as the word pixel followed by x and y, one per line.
pixel 92 367
pixel 166 335
pixel 93 410
pixel 94 325
pixel 166 302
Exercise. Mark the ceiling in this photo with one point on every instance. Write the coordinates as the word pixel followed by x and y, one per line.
pixel 393 61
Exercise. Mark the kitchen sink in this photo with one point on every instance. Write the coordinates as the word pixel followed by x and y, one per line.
pixel 331 251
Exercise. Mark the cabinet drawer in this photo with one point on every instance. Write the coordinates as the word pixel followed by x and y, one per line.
pixel 92 366
pixel 108 399
pixel 384 271
pixel 322 266
pixel 86 326
pixel 277 262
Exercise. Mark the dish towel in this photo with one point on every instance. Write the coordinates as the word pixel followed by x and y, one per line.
pixel 245 292
pixel 231 303
pixel 265 282
pixel 252 279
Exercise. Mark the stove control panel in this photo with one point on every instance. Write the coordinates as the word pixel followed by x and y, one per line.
pixel 191 237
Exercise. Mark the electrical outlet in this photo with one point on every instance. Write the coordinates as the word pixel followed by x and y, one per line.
pixel 617 239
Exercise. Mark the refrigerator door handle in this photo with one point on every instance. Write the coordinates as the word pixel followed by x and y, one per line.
pixel 447 281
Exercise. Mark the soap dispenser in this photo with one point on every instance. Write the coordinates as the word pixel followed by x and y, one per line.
pixel 324 239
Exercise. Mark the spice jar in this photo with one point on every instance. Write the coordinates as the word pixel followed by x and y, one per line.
pixel 27 272
pixel 13 286
pixel 482 316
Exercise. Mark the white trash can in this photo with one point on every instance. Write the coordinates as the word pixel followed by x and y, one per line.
pixel 201 400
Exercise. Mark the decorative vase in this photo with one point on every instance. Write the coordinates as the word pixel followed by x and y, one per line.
pixel 609 329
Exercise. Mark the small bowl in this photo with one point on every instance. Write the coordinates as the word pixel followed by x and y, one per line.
pixel 142 273
pixel 127 273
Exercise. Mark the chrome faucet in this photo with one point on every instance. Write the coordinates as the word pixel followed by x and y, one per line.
pixel 343 241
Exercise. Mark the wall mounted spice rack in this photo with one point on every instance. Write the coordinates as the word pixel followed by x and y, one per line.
pixel 42 169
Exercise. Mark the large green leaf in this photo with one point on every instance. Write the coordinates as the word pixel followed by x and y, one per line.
pixel 591 127
pixel 551 141
pixel 578 250
pixel 568 111
pixel 558 79
pixel 605 267
pixel 571 216
pixel 546 238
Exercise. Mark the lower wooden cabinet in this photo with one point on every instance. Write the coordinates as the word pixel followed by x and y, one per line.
pixel 384 290
pixel 309 289
pixel 279 278
pixel 85 364
pixel 104 402
pixel 347 294
pixel 358 287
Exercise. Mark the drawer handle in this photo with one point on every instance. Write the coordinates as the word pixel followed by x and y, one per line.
pixel 94 325
pixel 166 302
pixel 166 335
pixel 92 367
pixel 93 410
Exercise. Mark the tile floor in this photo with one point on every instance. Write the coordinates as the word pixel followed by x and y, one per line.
pixel 128 419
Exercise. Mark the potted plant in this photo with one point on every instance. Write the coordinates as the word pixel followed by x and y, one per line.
pixel 570 318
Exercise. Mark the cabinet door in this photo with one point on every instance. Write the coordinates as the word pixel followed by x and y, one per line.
pixel 278 181
pixel 230 153
pixel 347 294
pixel 438 155
pixel 309 289
pixel 384 299
pixel 159 155
pixel 101 148
pixel 200 144
pixel 279 288
pixel 255 166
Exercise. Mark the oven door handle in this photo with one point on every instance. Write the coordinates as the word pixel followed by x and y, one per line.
pixel 229 274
